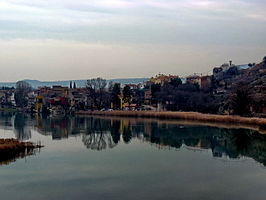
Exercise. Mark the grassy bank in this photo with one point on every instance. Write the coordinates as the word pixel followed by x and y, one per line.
pixel 11 149
pixel 8 109
pixel 190 116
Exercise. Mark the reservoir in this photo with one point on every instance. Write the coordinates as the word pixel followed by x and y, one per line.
pixel 129 158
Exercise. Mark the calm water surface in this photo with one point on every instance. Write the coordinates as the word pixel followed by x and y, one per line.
pixel 98 158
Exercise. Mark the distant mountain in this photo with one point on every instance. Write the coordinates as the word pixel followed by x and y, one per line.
pixel 79 83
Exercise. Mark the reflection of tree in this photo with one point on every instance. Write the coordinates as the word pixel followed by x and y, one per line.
pixel 59 127
pixel 100 134
pixel 241 141
pixel 97 139
pixel 233 143
pixel 115 131
pixel 191 142
pixel 22 130
pixel 7 157
pixel 127 134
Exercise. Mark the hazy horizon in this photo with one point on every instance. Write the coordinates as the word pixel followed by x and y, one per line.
pixel 28 79
pixel 52 40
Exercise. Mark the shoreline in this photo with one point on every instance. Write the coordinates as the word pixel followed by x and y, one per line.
pixel 14 145
pixel 188 116
pixel 12 149
pixel 185 122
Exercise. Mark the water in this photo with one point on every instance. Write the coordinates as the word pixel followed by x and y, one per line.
pixel 105 158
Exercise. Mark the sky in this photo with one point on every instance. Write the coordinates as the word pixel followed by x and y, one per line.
pixel 82 39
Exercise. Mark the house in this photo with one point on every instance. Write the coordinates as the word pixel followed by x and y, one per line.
pixel 194 79
pixel 244 66
pixel 205 82
pixel 58 90
pixel 220 91
pixel 127 106
pixel 162 79
pixel 133 86
pixel 147 97
pixel 218 72
pixel 78 98
pixel 225 67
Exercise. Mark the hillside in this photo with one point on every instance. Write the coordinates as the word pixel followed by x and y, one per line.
pixel 245 90
pixel 253 79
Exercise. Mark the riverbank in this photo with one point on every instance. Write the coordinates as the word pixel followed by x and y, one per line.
pixel 8 145
pixel 11 149
pixel 8 110
pixel 190 116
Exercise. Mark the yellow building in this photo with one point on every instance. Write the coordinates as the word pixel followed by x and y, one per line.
pixel 162 79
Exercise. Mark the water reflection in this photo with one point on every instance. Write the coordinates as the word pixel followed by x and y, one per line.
pixel 21 126
pixel 99 134
pixel 7 158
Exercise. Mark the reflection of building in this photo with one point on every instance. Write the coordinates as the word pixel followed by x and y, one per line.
pixel 39 104
pixel 6 120
pixel 100 134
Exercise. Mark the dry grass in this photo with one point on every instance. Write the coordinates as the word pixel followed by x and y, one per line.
pixel 13 144
pixel 9 145
pixel 190 116
pixel 11 149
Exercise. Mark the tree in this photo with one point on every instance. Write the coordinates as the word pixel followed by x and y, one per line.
pixel 96 84
pixel 21 93
pixel 115 92
pixel 241 101
pixel 187 97
pixel 127 95
pixel 155 88
pixel 97 92
pixel 264 61
pixel 189 87
pixel 139 97
pixel 74 85
pixel 175 82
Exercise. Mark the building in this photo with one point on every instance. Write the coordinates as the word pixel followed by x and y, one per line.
pixel 194 79
pixel 147 97
pixel 204 82
pixel 162 79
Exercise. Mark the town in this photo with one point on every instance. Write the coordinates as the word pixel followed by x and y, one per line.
pixel 231 89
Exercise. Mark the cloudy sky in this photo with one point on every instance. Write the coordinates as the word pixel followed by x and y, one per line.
pixel 81 39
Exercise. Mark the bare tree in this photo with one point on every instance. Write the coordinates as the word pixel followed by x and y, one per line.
pixel 96 84
pixel 21 93
pixel 97 92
